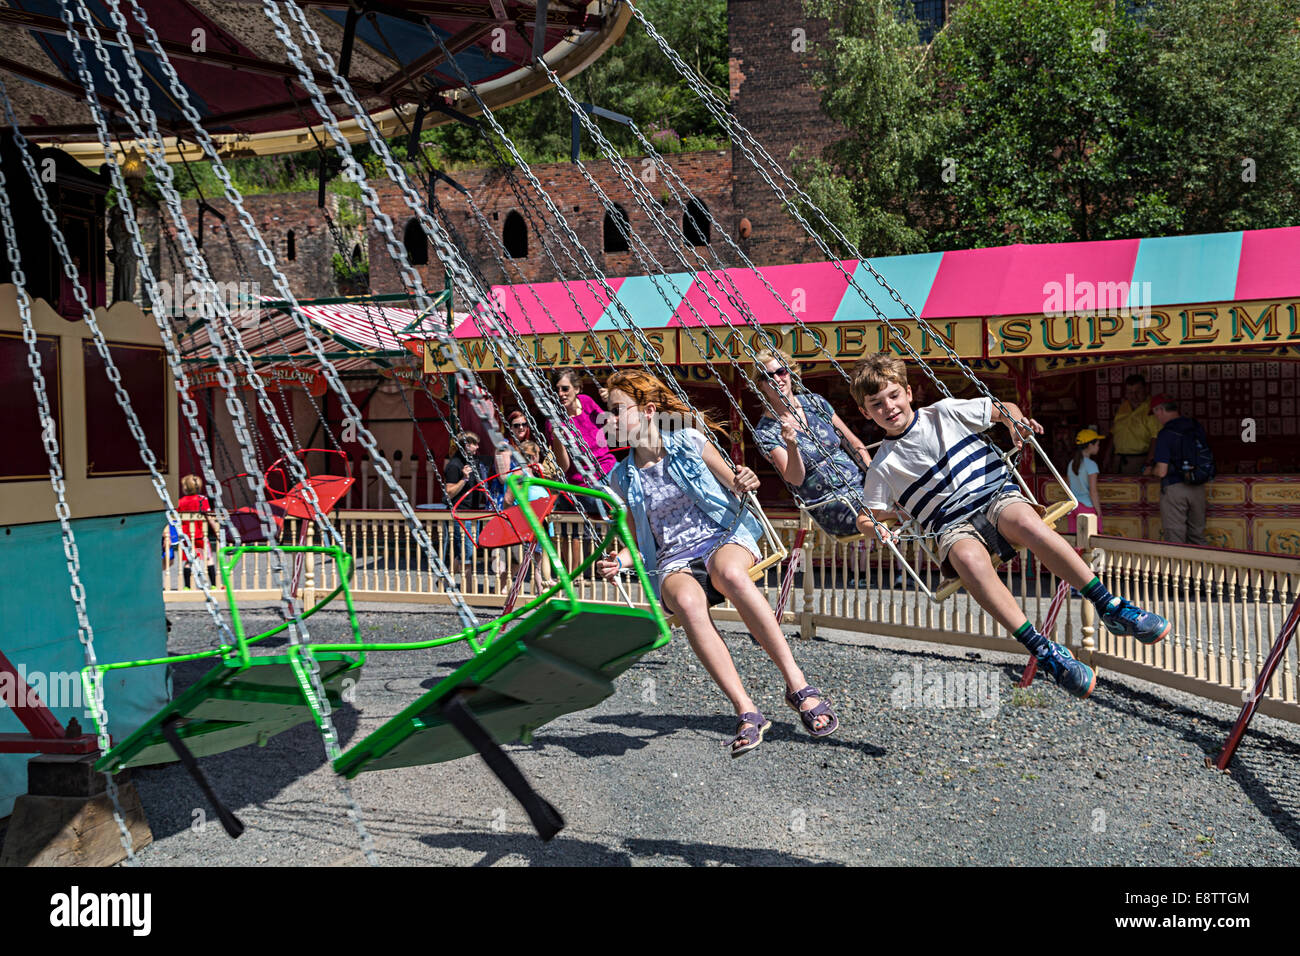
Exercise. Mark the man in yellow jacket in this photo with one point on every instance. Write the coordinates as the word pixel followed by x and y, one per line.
pixel 1133 430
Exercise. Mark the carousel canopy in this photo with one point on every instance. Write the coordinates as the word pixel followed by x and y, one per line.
pixel 244 87
pixel 998 281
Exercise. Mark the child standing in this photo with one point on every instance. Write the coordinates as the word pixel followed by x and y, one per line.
pixel 195 501
pixel 698 543
pixel 1082 475
pixel 935 467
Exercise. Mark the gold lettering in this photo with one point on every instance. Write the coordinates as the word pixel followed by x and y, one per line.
pixel 1198 325
pixel 620 347
pixel 892 339
pixel 799 350
pixel 1099 328
pixel 728 347
pixel 1243 324
pixel 1016 335
pixel 849 341
pixel 1072 340
pixel 590 350
pixel 950 339
pixel 1152 327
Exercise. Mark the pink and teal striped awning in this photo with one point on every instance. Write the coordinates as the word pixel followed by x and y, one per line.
pixel 999 281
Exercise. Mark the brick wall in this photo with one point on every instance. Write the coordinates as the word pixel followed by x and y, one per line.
pixel 708 174
pixel 773 96
pixel 310 272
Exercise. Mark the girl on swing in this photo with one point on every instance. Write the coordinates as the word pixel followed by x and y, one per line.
pixel 698 543
pixel 815 453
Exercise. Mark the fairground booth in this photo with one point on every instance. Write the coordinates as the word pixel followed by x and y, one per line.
pixel 1210 320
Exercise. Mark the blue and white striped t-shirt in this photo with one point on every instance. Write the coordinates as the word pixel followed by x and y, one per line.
pixel 939 470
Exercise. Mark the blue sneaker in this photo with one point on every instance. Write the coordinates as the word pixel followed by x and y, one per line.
pixel 1073 675
pixel 1125 617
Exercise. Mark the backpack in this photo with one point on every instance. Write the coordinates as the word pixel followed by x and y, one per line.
pixel 1196 462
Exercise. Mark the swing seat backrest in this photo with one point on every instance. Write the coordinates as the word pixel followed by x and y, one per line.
pixel 231 706
pixel 558 659
pixel 511 527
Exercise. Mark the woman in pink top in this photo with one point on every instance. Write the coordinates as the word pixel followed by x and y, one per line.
pixel 587 419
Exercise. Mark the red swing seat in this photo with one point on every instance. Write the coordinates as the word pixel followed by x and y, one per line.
pixel 506 526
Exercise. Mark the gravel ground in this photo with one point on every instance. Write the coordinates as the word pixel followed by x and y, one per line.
pixel 978 773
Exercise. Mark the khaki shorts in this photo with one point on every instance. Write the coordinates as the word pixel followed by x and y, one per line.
pixel 964 529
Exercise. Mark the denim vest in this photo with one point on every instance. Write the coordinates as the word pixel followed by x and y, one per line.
pixel 689 472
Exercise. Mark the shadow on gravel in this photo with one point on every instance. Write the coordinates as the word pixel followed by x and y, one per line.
pixel 242 778
pixel 664 725
pixel 1256 746
pixel 565 851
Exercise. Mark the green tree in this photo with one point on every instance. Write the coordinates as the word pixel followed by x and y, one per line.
pixel 1052 142
pixel 1224 85
pixel 1058 120
pixel 877 82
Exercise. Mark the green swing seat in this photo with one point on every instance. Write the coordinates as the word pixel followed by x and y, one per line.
pixel 243 699
pixel 231 706
pixel 553 656
pixel 562 657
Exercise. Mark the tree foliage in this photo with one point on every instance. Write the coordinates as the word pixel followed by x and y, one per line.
pixel 1059 120
pixel 632 77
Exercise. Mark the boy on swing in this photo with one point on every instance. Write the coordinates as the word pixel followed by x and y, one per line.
pixel 934 466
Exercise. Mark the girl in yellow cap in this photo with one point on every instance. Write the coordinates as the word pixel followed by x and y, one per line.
pixel 1082 475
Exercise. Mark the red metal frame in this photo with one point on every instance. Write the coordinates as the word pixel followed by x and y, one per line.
pixel 1252 702
pixel 1049 622
pixel 45 735
pixel 506 526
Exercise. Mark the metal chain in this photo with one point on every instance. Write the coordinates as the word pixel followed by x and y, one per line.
pixel 468 617
pixel 446 252
pixel 315 690
pixel 49 437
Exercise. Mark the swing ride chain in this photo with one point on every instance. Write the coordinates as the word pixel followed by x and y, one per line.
pixel 147 456
pixel 497 248
pixel 639 193
pixel 591 267
pixel 200 269
pixel 674 182
pixel 313 343
pixel 583 460
pixel 340 246
pixel 632 184
pixel 729 122
pixel 162 171
pixel 49 437
pixel 446 252
pixel 650 351
pixel 505 367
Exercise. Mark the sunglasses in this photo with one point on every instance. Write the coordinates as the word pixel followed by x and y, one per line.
pixel 518 424
pixel 778 372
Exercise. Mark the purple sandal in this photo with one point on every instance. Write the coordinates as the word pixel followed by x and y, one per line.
pixel 797 697
pixel 752 735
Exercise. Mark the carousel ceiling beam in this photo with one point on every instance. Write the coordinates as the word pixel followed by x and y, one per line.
pixel 59 85
pixel 176 51
pixel 474 12
pixel 430 61
pixel 275 109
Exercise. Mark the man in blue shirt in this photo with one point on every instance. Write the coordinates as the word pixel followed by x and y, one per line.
pixel 1182 505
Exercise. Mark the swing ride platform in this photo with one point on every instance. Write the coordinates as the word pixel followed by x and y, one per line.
pixel 550 657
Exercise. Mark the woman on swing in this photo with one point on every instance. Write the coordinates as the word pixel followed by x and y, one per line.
pixel 698 543
pixel 806 444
